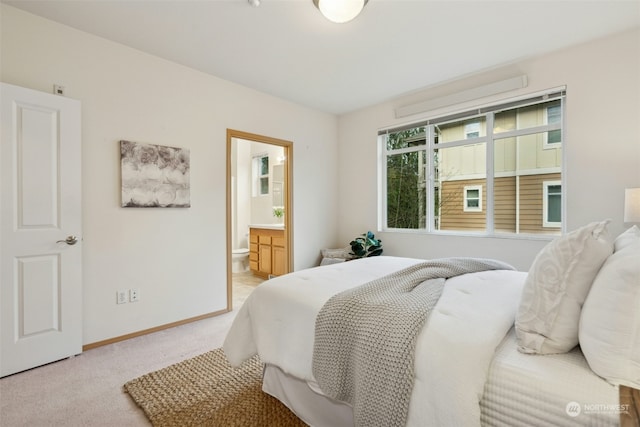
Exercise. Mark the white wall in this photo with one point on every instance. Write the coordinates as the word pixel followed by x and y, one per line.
pixel 176 257
pixel 602 148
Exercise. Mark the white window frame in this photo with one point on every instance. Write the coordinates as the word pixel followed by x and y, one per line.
pixel 546 144
pixel 545 204
pixel 431 170
pixel 466 206
pixel 258 176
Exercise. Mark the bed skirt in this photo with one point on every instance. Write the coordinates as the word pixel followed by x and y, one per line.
pixel 310 406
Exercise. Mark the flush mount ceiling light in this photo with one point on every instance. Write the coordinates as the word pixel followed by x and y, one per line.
pixel 340 11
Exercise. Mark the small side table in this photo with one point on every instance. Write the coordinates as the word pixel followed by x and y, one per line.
pixel 630 396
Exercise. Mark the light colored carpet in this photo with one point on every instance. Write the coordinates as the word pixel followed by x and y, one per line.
pixel 207 391
pixel 86 390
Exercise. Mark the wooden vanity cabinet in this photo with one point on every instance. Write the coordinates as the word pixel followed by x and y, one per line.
pixel 267 252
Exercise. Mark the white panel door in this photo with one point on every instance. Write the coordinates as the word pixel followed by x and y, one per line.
pixel 40 229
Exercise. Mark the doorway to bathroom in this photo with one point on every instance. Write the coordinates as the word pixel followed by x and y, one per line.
pixel 259 206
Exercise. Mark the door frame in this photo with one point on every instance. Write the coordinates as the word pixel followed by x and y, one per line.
pixel 288 199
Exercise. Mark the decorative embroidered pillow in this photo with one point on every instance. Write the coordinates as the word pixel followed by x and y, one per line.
pixel 610 320
pixel 556 287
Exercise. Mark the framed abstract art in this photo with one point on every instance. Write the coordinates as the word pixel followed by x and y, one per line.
pixel 154 176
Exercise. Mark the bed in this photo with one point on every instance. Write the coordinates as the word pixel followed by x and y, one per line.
pixel 467 367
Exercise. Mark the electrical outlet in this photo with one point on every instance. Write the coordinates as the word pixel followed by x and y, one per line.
pixel 121 297
pixel 134 295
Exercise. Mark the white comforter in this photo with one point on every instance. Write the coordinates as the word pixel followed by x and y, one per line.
pixel 453 351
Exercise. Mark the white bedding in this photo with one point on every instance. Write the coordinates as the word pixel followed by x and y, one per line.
pixel 522 387
pixel 521 390
pixel 453 351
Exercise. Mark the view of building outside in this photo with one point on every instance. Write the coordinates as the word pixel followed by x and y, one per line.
pixel 526 172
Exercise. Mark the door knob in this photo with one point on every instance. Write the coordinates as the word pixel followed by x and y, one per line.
pixel 70 240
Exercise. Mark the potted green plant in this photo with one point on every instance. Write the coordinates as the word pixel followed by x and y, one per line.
pixel 278 212
pixel 366 245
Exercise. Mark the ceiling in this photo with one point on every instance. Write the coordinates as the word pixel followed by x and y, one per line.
pixel 288 49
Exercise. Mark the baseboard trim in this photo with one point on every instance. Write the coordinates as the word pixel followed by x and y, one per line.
pixel 152 330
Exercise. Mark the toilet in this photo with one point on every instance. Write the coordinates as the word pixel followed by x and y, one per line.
pixel 239 260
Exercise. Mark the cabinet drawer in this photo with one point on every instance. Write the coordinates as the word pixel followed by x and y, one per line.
pixel 253 238
pixel 278 241
pixel 253 265
pixel 265 240
pixel 253 247
pixel 253 256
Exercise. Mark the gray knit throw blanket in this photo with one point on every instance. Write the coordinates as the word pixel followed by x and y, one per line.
pixel 365 338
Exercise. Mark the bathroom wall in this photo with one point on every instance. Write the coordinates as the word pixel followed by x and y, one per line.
pixel 262 206
pixel 248 208
pixel 241 194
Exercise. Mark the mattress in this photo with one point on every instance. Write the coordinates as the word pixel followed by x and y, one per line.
pixel 557 389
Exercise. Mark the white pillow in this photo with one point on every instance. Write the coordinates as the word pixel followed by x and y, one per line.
pixel 627 238
pixel 556 287
pixel 340 253
pixel 610 321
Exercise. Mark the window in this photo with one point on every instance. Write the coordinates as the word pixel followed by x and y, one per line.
pixel 473 198
pixel 406 180
pixel 261 175
pixel 484 171
pixel 472 130
pixel 552 116
pixel 552 206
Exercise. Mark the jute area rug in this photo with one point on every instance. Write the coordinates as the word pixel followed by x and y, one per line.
pixel 207 391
